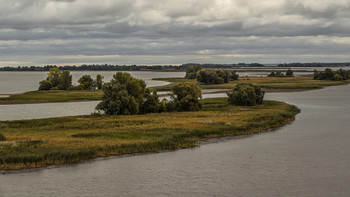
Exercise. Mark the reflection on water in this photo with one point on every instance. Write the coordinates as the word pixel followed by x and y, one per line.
pixel 309 157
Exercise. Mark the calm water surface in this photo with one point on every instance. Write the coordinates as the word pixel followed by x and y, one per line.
pixel 310 157
pixel 19 82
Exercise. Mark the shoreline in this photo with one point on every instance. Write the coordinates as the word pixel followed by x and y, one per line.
pixel 207 141
pixel 204 91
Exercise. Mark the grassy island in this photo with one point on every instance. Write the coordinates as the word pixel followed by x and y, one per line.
pixel 270 84
pixel 53 141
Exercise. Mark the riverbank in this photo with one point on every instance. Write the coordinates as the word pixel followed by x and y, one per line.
pixel 54 141
pixel 269 84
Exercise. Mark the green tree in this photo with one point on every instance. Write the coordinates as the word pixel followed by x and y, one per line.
pixel 337 77
pixel 209 76
pixel 246 94
pixel 99 81
pixel 186 96
pixel 54 76
pixel 86 82
pixel 233 75
pixel 289 73
pixel 125 94
pixel 117 101
pixel 192 70
pixel 328 74
pixel 272 74
pixel 65 80
pixel 151 103
pixel 45 85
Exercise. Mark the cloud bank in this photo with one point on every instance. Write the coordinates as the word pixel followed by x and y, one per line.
pixel 39 32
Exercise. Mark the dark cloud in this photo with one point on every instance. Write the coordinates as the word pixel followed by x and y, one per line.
pixel 169 31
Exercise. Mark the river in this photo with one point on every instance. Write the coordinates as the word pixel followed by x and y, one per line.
pixel 309 157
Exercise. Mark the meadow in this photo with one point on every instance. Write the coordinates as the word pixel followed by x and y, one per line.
pixel 54 141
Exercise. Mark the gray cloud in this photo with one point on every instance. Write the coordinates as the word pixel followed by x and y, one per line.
pixel 169 31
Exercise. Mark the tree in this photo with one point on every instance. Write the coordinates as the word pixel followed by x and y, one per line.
pixel 86 82
pixel 272 74
pixel 328 74
pixel 209 77
pixel 233 76
pixel 65 80
pixel 192 70
pixel 99 81
pixel 337 77
pixel 289 73
pixel 246 94
pixel 186 96
pixel 117 101
pixel 45 85
pixel 53 76
pixel 125 94
pixel 151 103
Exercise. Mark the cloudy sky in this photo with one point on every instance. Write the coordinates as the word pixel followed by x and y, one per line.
pixel 39 32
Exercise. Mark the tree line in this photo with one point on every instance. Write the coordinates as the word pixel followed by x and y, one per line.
pixel 329 74
pixel 108 67
pixel 62 80
pixel 210 76
pixel 314 64
pixel 289 73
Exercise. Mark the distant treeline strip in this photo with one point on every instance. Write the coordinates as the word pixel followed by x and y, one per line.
pixel 314 64
pixel 106 67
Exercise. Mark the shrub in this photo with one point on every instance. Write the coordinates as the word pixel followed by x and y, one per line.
pixel 289 73
pixel 329 74
pixel 246 94
pixel 45 85
pixel 86 82
pixel 192 70
pixel 211 76
pixel 125 95
pixel 185 97
pixel 337 77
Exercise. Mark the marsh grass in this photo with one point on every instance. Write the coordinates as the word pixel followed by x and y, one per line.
pixel 42 142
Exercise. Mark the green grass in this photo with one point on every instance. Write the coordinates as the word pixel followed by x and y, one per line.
pixel 52 141
pixel 54 96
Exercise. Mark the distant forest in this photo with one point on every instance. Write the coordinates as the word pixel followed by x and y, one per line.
pixel 106 67
pixel 314 64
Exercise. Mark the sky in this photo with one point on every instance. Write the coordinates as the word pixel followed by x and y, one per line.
pixel 75 32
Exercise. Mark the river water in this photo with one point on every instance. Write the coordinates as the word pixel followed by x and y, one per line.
pixel 309 157
pixel 19 82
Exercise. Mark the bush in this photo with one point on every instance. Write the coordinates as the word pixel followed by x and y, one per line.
pixel 86 82
pixel 246 94
pixel 185 97
pixel 289 73
pixel 125 95
pixel 210 77
pixel 337 77
pixel 192 70
pixel 329 74
pixel 45 85
pixel 2 137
